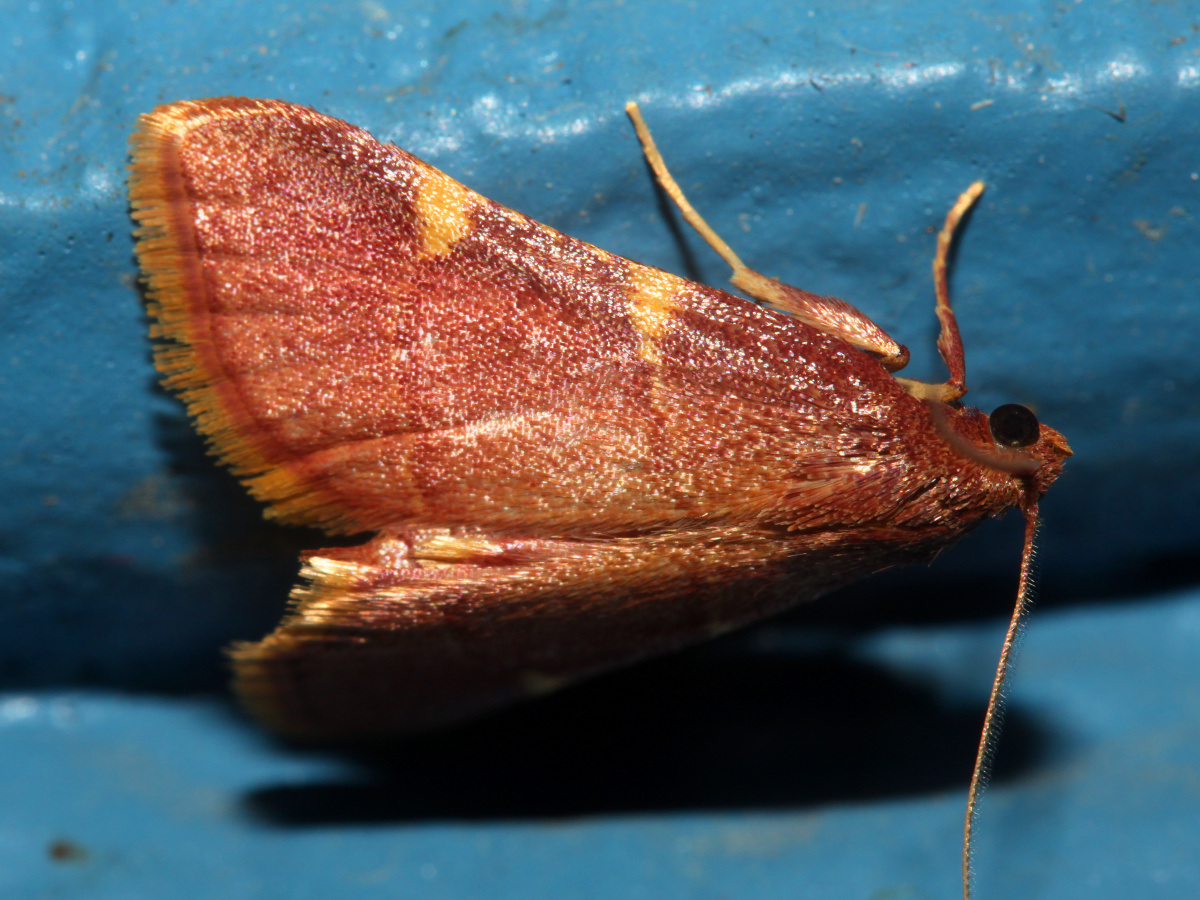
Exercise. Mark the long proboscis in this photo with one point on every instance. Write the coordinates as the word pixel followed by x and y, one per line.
pixel 994 716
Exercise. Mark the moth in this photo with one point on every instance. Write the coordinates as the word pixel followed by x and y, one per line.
pixel 561 460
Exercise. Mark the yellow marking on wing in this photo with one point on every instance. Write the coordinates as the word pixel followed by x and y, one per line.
pixel 652 306
pixel 438 546
pixel 443 212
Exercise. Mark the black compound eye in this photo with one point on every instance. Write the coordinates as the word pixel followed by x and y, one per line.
pixel 1014 425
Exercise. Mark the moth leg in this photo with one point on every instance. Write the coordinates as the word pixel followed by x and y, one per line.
pixel 949 341
pixel 828 314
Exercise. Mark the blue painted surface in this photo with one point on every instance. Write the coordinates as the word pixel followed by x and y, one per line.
pixel 821 756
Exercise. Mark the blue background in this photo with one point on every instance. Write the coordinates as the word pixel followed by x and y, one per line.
pixel 822 755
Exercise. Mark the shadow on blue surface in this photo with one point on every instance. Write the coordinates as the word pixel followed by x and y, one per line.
pixel 690 733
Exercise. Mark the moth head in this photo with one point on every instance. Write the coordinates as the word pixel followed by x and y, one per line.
pixel 1017 431
pixel 1021 446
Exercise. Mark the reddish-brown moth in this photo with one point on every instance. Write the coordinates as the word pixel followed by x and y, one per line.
pixel 565 460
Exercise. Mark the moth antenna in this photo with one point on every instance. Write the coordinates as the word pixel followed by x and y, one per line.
pixel 994 717
pixel 949 342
